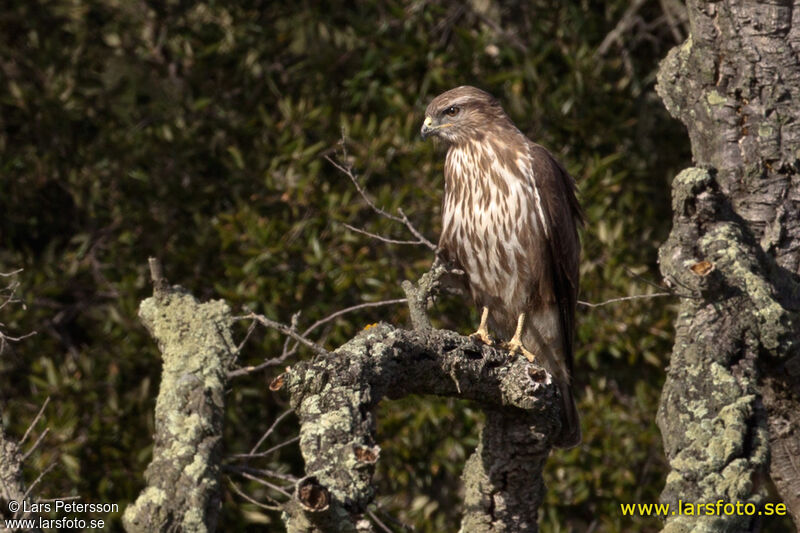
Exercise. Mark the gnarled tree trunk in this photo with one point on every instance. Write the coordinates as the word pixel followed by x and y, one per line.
pixel 729 413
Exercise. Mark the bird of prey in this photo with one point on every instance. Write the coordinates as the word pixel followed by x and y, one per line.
pixel 509 222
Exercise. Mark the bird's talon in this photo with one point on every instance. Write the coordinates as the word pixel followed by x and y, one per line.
pixel 483 331
pixel 483 337
pixel 515 347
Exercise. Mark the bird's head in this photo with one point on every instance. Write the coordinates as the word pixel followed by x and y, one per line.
pixel 460 115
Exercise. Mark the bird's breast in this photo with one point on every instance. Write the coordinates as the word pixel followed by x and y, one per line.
pixel 488 223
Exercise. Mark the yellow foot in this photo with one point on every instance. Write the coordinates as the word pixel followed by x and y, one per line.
pixel 514 346
pixel 483 333
pixel 483 336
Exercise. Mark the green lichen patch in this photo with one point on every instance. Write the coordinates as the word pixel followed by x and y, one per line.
pixel 714 98
pixel 725 247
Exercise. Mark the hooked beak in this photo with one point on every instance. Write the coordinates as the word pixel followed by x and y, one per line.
pixel 427 128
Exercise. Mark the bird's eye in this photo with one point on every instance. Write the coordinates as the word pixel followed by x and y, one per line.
pixel 451 111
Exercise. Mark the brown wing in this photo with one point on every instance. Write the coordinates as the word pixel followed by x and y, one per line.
pixel 562 216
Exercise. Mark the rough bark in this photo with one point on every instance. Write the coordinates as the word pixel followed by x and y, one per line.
pixel 12 485
pixel 334 398
pixel 503 478
pixel 182 492
pixel 730 408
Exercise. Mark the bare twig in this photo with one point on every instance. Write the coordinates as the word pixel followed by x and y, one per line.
pixel 350 309
pixel 275 361
pixel 5 339
pixel 266 452
pixel 35 421
pixel 260 471
pixel 9 294
pixel 624 299
pixel 349 173
pixel 643 279
pixel 250 329
pixel 444 29
pixel 255 502
pixel 414 231
pixel 38 479
pixel 295 322
pixel 281 445
pixel 270 430
pixel 287 330
pixel 625 22
pixel 266 483
pixel 289 352
pixel 379 237
pixel 394 520
pixel 59 499
pixel 12 273
pixel 660 287
pixel 285 477
pixel 676 21
pixel 17 339
pixel 377 521
pixel 402 219
pixel 156 270
pixel 36 444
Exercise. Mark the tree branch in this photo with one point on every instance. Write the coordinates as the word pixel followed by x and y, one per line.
pixel 275 361
pixel 9 297
pixel 12 485
pixel 12 460
pixel 334 397
pixel 401 219
pixel 182 491
pixel 35 420
pixel 624 299
pixel 288 330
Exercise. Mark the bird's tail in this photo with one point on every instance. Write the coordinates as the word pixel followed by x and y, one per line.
pixel 570 435
pixel 542 335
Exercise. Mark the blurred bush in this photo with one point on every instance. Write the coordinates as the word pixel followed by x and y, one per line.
pixel 195 132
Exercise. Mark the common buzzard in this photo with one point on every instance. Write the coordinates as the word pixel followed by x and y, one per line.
pixel 510 221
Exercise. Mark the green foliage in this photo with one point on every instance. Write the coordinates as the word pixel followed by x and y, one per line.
pixel 195 132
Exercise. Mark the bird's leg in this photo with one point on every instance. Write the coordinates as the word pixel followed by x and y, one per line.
pixel 483 333
pixel 515 344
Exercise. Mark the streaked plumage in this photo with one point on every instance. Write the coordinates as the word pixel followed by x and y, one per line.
pixel 510 220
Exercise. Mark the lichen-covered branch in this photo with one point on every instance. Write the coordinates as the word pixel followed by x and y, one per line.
pixel 182 492
pixel 12 486
pixel 730 409
pixel 334 398
pixel 503 483
pixel 419 294
pixel 12 483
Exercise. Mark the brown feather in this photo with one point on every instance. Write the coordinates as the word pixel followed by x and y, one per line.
pixel 510 221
